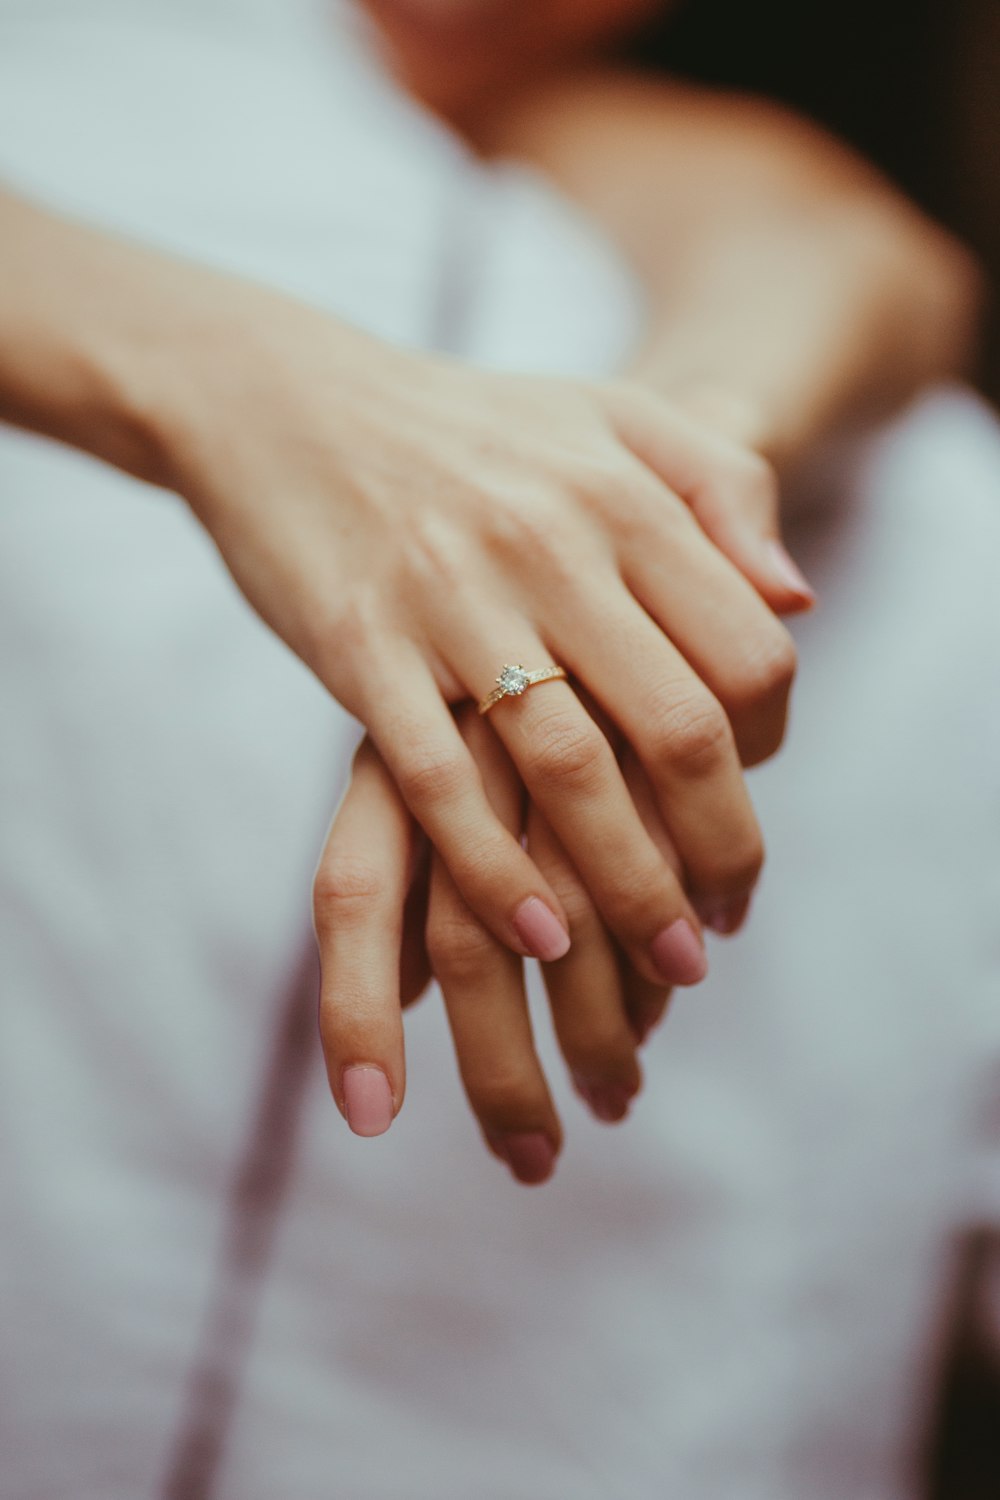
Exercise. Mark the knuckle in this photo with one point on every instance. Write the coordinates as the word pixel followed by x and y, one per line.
pixel 459 949
pixel 341 632
pixel 430 777
pixel 624 398
pixel 750 478
pixel 599 481
pixel 642 512
pixel 692 736
pixel 353 620
pixel 569 753
pixel 743 860
pixel 580 912
pixel 524 527
pixel 647 896
pixel 486 866
pixel 435 555
pixel 344 887
pixel 767 670
pixel 540 544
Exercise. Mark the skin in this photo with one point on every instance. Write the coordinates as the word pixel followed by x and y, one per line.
pixel 626 528
pixel 798 298
pixel 300 444
pixel 454 54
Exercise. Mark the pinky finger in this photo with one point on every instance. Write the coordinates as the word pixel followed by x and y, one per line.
pixel 731 489
pixel 359 898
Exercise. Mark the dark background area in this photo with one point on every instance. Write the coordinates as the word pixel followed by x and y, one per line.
pixel 915 84
pixel 962 1449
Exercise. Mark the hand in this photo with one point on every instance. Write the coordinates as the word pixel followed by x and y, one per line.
pixel 406 524
pixel 387 913
pixel 388 916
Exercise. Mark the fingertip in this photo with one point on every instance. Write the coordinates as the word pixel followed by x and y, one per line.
pixel 530 1155
pixel 724 915
pixel 789 578
pixel 802 605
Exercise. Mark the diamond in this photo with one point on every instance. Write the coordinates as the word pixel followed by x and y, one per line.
pixel 512 681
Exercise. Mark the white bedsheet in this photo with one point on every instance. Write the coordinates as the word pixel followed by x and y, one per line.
pixel 733 1297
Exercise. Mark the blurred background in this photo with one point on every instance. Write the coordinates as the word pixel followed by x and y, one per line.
pixel 915 84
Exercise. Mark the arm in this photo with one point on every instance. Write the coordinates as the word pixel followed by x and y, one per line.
pixel 84 319
pixel 396 517
pixel 785 277
pixel 399 520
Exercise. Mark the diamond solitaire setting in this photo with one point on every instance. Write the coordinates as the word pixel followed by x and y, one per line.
pixel 513 681
pixel 516 679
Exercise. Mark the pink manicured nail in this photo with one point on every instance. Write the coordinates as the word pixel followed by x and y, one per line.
pixel 367 1100
pixel 789 572
pixel 531 1156
pixel 540 930
pixel 678 954
pixel 606 1100
pixel 723 914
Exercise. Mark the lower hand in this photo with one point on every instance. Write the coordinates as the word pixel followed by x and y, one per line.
pixel 388 915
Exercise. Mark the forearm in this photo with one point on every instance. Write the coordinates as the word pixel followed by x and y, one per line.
pixel 779 268
pixel 84 320
pixel 817 323
pixel 123 351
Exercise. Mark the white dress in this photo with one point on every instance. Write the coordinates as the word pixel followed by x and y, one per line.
pixel 210 1288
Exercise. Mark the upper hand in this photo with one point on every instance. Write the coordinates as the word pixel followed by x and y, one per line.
pixel 408 524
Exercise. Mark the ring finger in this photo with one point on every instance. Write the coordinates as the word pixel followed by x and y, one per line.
pixel 483 988
pixel 570 772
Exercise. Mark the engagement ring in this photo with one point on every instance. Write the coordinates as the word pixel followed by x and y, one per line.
pixel 513 681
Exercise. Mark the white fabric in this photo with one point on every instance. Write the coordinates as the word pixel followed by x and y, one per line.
pixel 735 1295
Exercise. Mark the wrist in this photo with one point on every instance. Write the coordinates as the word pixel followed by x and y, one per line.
pixel 246 373
pixel 88 328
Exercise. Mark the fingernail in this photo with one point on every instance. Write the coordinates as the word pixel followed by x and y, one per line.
pixel 540 930
pixel 367 1100
pixel 608 1101
pixel 789 572
pixel 678 954
pixel 723 914
pixel 531 1155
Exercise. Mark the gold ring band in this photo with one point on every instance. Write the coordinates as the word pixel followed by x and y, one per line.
pixel 514 680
